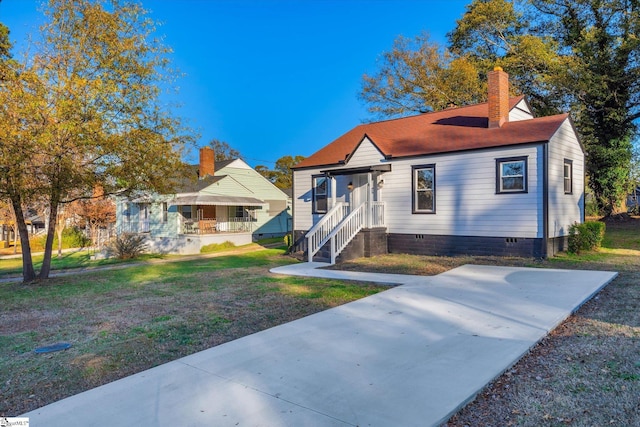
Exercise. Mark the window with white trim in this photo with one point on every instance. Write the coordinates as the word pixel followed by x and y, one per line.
pixel 568 176
pixel 165 211
pixel 424 189
pixel 320 184
pixel 511 175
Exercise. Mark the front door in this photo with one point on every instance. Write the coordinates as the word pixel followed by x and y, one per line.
pixel 360 191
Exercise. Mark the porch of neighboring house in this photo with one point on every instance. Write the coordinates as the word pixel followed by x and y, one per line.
pixel 8 233
pixel 353 220
pixel 213 219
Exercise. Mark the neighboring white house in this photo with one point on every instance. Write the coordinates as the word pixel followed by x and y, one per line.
pixel 217 202
pixel 486 179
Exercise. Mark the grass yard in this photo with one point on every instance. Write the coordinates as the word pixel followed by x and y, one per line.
pixel 124 321
pixel 76 259
pixel 587 371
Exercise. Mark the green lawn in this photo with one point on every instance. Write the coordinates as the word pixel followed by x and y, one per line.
pixel 77 259
pixel 81 258
pixel 123 321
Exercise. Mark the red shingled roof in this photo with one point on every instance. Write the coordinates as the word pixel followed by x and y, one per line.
pixel 454 129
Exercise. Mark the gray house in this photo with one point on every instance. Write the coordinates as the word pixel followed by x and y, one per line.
pixel 486 179
pixel 216 202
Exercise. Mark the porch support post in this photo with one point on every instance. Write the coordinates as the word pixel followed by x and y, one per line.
pixel 368 201
pixel 332 180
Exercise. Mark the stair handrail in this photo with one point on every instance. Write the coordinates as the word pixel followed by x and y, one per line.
pixel 317 235
pixel 348 228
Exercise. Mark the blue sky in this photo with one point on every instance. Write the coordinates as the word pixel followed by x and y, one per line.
pixel 273 78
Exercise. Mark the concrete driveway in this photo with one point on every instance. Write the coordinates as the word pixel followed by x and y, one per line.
pixel 408 356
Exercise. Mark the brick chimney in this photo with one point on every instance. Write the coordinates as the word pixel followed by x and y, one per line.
pixel 498 98
pixel 207 162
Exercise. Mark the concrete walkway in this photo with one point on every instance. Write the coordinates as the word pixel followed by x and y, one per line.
pixel 408 356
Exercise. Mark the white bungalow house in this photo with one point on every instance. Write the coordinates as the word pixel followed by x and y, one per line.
pixel 485 179
pixel 218 202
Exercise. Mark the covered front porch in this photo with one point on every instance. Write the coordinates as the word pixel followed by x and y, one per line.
pixel 209 214
pixel 350 200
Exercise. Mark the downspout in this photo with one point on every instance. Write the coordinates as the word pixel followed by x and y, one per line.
pixel 545 199
pixel 293 212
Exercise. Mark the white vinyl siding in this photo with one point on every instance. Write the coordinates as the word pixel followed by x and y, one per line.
pixel 520 112
pixel 365 155
pixel 467 203
pixel 565 209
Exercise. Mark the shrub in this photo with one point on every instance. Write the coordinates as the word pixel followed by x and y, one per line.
pixel 288 240
pixel 586 236
pixel 128 245
pixel 216 247
pixel 591 208
pixel 72 237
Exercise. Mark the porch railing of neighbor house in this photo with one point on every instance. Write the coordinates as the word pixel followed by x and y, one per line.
pixel 317 236
pixel 214 226
pixel 128 227
pixel 142 226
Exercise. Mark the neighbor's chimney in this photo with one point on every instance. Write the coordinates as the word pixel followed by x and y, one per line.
pixel 207 162
pixel 498 98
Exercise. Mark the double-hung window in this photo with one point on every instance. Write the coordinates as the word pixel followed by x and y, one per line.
pixel 424 189
pixel 320 192
pixel 568 176
pixel 165 212
pixel 511 175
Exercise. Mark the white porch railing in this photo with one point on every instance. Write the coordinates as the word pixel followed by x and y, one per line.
pixel 340 226
pixel 214 225
pixel 376 215
pixel 141 226
pixel 317 236
pixel 346 231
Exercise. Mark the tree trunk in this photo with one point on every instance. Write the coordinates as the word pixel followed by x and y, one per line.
pixel 15 235
pixel 48 246
pixel 60 230
pixel 28 272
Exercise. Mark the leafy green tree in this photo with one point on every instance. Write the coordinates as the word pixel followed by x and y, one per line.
pixel 418 75
pixel 18 114
pixel 223 151
pixel 266 172
pixel 85 111
pixel 281 175
pixel 601 38
pixel 493 33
